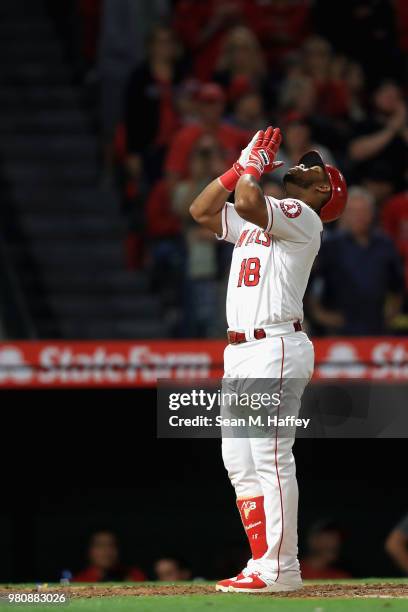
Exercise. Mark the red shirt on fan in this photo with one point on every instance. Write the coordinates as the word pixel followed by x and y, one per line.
pixel 202 25
pixel 120 574
pixel 231 140
pixel 104 563
pixel 279 26
pixel 161 220
pixel 211 102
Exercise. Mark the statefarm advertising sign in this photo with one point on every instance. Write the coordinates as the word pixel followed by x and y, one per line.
pixel 141 363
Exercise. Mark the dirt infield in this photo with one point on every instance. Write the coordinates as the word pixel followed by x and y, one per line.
pixel 309 591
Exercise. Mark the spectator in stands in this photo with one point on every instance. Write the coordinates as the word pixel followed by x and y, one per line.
pixel 364 30
pixel 378 179
pixel 298 96
pixel 248 113
pixel 396 545
pixel 187 102
pixel 211 103
pixel 202 27
pixel 297 93
pixel 241 63
pixel 355 79
pixel 297 140
pixel 151 116
pixel 124 27
pixel 166 253
pixel 201 307
pixel 359 284
pixel 171 569
pixel 280 25
pixel 323 557
pixel 383 136
pixel 394 219
pixel 161 222
pixel 104 562
pixel 319 64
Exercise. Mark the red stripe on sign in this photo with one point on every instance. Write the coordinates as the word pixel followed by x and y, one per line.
pixel 276 460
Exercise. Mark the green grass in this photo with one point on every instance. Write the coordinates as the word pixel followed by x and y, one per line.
pixel 224 602
pixel 232 602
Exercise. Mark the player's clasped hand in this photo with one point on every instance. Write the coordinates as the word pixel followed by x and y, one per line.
pixel 263 153
pixel 261 150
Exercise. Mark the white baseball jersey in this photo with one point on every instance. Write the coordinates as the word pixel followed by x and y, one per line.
pixel 270 268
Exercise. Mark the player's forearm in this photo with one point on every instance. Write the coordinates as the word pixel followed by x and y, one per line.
pixel 207 206
pixel 250 201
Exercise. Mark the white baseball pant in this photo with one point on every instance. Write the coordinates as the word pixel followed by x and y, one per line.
pixel 263 468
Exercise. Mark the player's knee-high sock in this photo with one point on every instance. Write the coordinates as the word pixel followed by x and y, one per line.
pixel 252 514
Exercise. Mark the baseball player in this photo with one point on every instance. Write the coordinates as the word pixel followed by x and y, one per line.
pixel 276 242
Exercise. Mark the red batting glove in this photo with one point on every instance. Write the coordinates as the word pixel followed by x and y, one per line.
pixel 263 153
pixel 230 178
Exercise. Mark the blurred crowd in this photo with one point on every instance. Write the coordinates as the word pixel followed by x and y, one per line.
pixel 325 555
pixel 104 563
pixel 323 559
pixel 185 84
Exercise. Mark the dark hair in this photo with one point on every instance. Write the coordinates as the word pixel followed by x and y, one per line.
pixel 179 561
pixel 326 526
pixel 384 83
pixel 95 532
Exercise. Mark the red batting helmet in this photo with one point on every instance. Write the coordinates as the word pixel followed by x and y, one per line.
pixel 338 198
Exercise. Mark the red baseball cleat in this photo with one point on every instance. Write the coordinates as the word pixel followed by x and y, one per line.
pixel 253 583
pixel 223 585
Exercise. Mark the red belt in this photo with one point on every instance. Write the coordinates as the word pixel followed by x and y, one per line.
pixel 235 337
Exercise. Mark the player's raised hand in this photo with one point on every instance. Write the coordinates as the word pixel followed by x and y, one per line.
pixel 230 178
pixel 245 153
pixel 271 143
pixel 262 156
